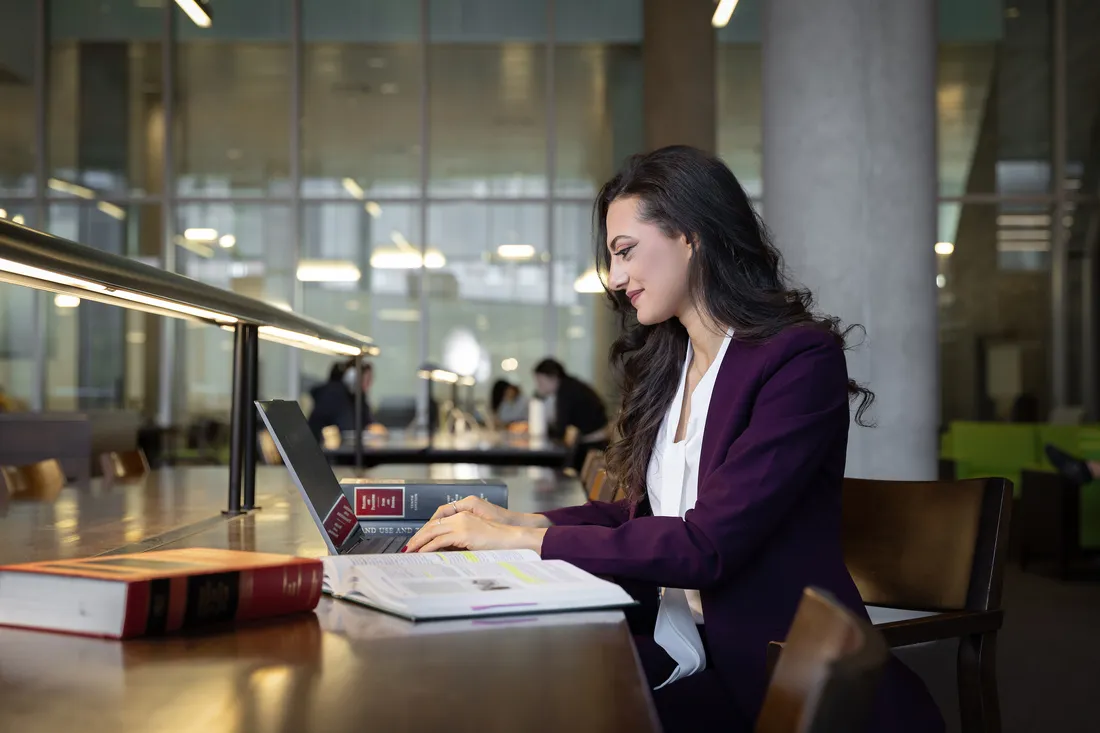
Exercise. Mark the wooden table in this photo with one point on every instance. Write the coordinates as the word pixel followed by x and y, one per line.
pixel 341 668
pixel 482 447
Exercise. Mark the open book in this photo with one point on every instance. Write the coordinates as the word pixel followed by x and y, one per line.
pixel 439 585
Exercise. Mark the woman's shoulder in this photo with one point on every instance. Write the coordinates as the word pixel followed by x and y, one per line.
pixel 817 339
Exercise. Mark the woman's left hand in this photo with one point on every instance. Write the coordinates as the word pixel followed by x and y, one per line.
pixel 466 531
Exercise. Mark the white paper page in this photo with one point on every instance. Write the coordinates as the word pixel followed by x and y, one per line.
pixel 336 568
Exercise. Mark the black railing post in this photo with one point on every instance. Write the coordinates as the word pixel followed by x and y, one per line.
pixel 237 418
pixel 252 386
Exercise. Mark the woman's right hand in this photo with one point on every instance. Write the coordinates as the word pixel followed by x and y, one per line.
pixel 490 512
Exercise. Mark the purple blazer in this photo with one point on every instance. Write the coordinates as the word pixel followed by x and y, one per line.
pixel 766 523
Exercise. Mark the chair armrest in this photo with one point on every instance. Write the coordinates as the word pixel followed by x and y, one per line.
pixel 947 625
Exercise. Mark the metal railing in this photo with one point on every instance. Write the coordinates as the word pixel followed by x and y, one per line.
pixel 45 262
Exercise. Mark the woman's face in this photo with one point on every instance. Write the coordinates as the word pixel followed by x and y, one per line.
pixel 647 264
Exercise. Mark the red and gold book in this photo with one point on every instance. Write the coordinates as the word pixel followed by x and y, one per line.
pixel 150 593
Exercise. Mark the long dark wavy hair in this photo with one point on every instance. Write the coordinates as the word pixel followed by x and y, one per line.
pixel 735 274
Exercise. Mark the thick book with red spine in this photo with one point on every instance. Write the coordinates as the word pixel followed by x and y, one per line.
pixel 416 499
pixel 150 593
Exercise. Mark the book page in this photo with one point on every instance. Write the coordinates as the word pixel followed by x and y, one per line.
pixel 337 566
pixel 441 588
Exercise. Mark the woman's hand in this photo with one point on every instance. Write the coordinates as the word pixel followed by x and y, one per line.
pixel 468 531
pixel 490 512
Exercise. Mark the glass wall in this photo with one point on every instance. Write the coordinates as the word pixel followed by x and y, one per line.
pixel 423 171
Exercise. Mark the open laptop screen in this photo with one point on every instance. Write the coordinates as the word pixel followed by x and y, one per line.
pixel 310 470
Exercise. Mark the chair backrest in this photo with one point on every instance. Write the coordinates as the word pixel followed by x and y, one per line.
pixel 589 465
pixel 596 487
pixel 36 481
pixel 929 545
pixel 129 465
pixel 826 677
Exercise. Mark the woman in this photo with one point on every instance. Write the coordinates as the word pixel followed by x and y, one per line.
pixel 508 403
pixel 734 430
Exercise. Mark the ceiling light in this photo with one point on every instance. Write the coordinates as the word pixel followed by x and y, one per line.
pixel 434 259
pixel 3 213
pixel 63 300
pixel 589 282
pixel 227 240
pixel 373 209
pixel 438 375
pixel 509 364
pixel 352 187
pixel 200 234
pixel 723 13
pixel 944 248
pixel 516 251
pixel 18 219
pixel 197 11
pixel 328 271
pixel 394 260
pixel 71 188
pixel 111 210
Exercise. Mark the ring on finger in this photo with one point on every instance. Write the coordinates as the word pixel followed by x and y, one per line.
pixel 454 506
pixel 439 521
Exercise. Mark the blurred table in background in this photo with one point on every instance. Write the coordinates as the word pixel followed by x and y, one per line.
pixel 481 447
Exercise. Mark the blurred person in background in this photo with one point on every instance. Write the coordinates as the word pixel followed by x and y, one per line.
pixel 571 402
pixel 507 403
pixel 334 401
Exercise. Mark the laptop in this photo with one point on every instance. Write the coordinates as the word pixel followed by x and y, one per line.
pixel 329 507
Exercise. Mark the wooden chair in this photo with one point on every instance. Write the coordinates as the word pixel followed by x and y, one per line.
pixel 936 546
pixel 826 678
pixel 123 466
pixel 601 488
pixel 40 481
pixel 593 461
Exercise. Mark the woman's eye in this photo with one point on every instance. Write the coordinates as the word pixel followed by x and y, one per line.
pixel 626 251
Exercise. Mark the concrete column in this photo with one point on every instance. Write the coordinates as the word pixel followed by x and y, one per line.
pixel 678 60
pixel 850 195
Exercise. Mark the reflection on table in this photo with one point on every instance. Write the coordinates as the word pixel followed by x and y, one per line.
pixel 487 447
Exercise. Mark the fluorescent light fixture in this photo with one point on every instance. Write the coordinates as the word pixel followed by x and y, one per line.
pixel 589 282
pixel 944 248
pixel 200 234
pixel 723 13
pixel 197 11
pixel 73 189
pixel 115 212
pixel 373 209
pixel 1028 234
pixel 434 259
pixel 303 340
pixel 172 306
pixel 438 375
pixel 1023 220
pixel 399 239
pixel 516 251
pixel 352 187
pixel 467 381
pixel 390 259
pixel 401 315
pixel 328 271
pixel 226 241
pixel 509 364
pixel 64 300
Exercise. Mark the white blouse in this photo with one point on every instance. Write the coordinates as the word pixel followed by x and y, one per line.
pixel 673 486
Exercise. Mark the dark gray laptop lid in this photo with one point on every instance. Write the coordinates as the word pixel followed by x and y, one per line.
pixel 310 470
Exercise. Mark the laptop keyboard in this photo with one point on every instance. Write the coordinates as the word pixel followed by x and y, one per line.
pixel 381 545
